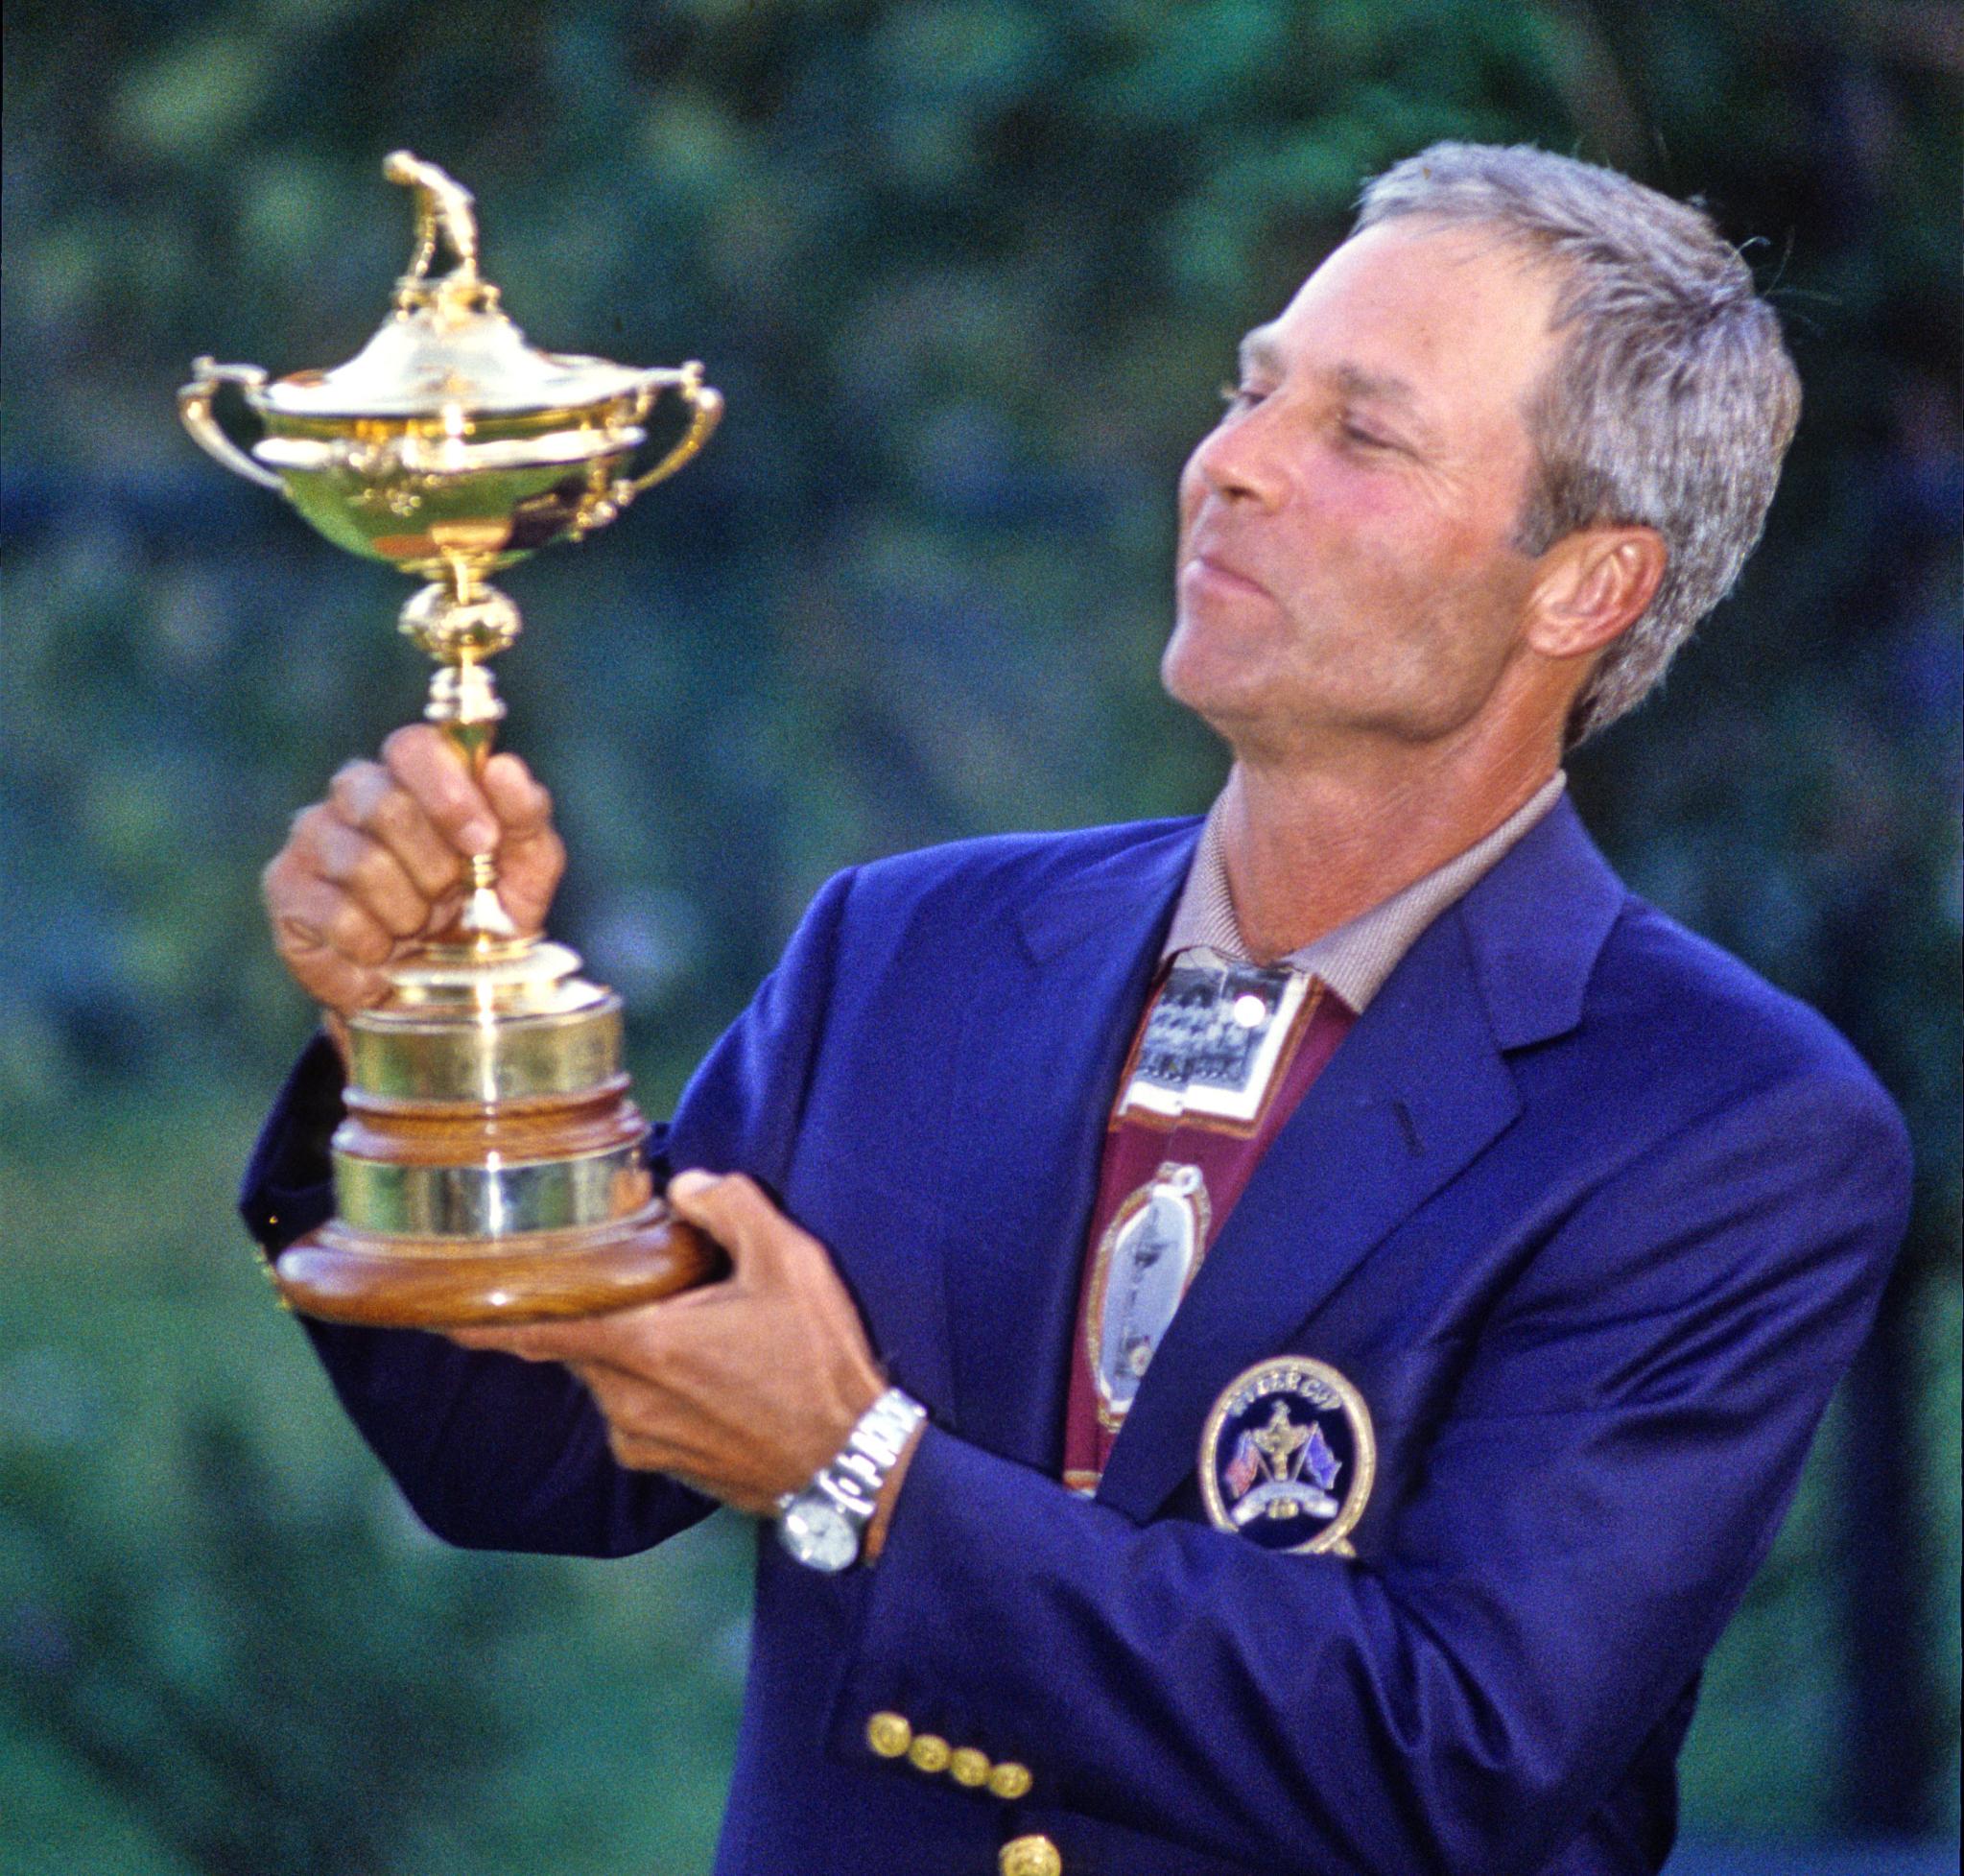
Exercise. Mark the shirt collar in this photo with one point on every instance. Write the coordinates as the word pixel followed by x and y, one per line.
pixel 1357 958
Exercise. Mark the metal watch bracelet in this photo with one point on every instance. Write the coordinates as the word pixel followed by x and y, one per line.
pixel 852 1481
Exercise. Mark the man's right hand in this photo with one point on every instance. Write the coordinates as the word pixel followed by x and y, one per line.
pixel 381 865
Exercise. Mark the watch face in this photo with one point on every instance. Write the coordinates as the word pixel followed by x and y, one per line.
pixel 818 1533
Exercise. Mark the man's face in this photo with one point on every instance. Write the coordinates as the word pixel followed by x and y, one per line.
pixel 1345 567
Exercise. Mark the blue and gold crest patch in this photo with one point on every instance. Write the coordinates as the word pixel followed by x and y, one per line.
pixel 1288 1456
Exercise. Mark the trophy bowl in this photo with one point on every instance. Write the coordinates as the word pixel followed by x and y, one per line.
pixel 489 1168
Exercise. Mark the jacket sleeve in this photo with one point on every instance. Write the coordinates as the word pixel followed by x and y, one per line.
pixel 490 1451
pixel 1625 1442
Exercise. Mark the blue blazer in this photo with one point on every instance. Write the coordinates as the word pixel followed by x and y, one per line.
pixel 1592 1217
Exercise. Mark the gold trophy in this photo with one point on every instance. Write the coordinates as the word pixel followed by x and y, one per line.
pixel 489 1166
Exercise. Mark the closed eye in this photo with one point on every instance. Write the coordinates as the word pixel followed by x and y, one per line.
pixel 1354 433
pixel 1237 396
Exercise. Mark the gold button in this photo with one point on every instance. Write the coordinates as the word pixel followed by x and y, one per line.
pixel 1010 1780
pixel 888 1734
pixel 929 1753
pixel 968 1767
pixel 1030 1856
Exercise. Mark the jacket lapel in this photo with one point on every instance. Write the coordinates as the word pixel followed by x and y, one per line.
pixel 1418 1088
pixel 1043 1040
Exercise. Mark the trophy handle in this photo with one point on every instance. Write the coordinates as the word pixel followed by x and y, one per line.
pixel 705 412
pixel 194 406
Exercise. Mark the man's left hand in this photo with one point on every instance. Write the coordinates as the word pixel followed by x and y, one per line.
pixel 743 1389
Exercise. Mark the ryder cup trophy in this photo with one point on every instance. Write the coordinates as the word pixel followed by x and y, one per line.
pixel 489 1166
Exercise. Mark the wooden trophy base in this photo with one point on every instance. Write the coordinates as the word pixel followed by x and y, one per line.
pixel 342 1274
pixel 488 1168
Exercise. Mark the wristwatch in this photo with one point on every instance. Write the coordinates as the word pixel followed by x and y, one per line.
pixel 825 1525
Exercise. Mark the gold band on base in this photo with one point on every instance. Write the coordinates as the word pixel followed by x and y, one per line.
pixel 493 1200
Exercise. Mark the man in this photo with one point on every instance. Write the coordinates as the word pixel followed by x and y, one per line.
pixel 1357 1286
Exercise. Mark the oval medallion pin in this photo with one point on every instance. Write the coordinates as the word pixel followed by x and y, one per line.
pixel 1288 1456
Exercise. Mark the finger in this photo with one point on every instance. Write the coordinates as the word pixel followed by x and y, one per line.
pixel 429 766
pixel 531 855
pixel 529 1341
pixel 367 796
pixel 333 949
pixel 483 1341
pixel 309 912
pixel 638 1454
pixel 443 912
pixel 338 986
pixel 735 1211
pixel 370 874
pixel 522 803
pixel 647 1434
pixel 586 1341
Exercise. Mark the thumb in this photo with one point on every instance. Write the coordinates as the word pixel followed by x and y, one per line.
pixel 735 1211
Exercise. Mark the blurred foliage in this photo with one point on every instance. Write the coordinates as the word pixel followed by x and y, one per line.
pixel 968 274
pixel 227 1648
pixel 155 1657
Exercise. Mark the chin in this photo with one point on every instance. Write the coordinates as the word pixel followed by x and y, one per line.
pixel 1197 682
pixel 1223 676
pixel 1263 716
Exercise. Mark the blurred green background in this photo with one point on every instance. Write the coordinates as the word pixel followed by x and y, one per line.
pixel 969 274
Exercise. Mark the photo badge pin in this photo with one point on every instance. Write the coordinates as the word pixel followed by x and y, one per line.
pixel 1288 1456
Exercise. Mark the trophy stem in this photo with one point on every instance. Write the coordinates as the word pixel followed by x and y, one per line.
pixel 460 622
pixel 464 704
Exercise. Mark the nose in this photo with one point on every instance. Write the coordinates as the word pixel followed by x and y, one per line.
pixel 1239 460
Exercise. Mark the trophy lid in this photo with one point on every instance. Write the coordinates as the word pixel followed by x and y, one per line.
pixel 446 346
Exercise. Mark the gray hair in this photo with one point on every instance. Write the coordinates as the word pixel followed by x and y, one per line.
pixel 1673 402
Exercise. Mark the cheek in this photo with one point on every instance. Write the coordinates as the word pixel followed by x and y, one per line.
pixel 1369 513
pixel 1395 555
pixel 1192 491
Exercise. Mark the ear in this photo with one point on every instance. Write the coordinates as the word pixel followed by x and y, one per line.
pixel 1591 585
